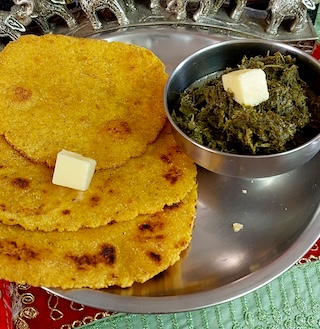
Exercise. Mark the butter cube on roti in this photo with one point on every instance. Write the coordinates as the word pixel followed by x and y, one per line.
pixel 73 170
pixel 248 86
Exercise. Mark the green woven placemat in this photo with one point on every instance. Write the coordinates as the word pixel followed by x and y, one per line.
pixel 317 23
pixel 291 301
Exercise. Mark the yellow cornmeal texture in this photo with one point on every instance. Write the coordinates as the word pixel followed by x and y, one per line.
pixel 163 175
pixel 118 254
pixel 101 99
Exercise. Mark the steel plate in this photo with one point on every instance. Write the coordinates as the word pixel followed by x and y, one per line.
pixel 280 217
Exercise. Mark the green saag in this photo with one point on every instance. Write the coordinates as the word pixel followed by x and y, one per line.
pixel 209 115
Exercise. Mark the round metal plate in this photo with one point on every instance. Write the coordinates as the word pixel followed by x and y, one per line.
pixel 280 217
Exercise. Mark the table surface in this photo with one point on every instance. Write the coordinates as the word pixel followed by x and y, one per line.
pixel 290 301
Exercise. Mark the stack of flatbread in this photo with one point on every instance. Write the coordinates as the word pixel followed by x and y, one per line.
pixel 103 100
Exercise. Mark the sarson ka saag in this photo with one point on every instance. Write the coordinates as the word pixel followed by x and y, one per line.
pixel 208 113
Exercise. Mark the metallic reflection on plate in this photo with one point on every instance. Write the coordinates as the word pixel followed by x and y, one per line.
pixel 280 217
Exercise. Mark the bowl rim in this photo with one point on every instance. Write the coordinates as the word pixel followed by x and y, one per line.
pixel 224 44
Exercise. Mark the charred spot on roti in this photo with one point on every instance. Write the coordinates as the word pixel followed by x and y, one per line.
pixel 19 182
pixel 172 175
pixel 165 159
pixel 181 244
pixel 177 149
pixel 155 224
pixel 154 256
pixel 17 252
pixel 151 230
pixel 109 253
pixel 66 212
pixel 160 237
pixel 83 261
pixel 116 128
pixel 106 255
pixel 170 155
pixel 21 94
pixel 146 227
pixel 95 200
pixel 173 206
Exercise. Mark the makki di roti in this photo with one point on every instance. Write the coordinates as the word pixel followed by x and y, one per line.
pixel 103 100
pixel 162 176
pixel 138 213
pixel 117 254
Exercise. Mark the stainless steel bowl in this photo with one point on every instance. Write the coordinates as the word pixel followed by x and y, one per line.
pixel 216 58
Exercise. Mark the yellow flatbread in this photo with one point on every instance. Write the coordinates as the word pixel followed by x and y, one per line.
pixel 101 99
pixel 163 175
pixel 117 254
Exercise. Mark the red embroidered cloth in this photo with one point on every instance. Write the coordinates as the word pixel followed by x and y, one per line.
pixel 316 51
pixel 5 306
pixel 25 307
